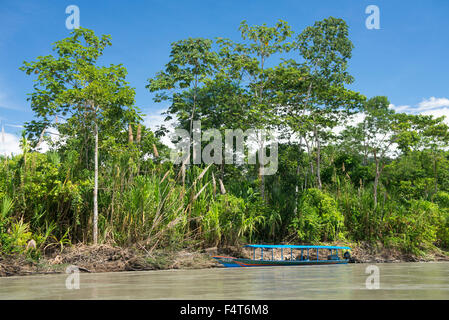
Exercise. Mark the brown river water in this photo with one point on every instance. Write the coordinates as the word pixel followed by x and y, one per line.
pixel 395 281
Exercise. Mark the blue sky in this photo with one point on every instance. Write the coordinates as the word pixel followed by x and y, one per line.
pixel 405 60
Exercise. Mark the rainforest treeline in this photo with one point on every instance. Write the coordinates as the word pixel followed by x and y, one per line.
pixel 350 168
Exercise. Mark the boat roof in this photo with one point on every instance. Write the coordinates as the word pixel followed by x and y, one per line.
pixel 294 246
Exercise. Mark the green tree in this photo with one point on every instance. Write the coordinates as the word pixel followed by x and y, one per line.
pixel 192 62
pixel 434 134
pixel 326 49
pixel 71 85
pixel 264 42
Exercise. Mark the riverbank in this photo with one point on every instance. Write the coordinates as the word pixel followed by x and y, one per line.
pixel 106 258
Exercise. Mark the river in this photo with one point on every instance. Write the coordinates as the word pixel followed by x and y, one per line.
pixel 396 281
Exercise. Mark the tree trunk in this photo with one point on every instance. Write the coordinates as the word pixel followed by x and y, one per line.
pixel 298 168
pixel 379 170
pixel 192 145
pixel 261 169
pixel 95 222
pixel 296 190
pixel 309 152
pixel 318 160
pixel 318 157
pixel 435 172
pixel 376 178
pixel 261 166
pixel 376 182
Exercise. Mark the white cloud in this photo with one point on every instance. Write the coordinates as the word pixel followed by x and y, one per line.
pixel 154 121
pixel 436 107
pixel 404 108
pixel 54 137
pixel 433 103
pixel 438 113
pixel 14 125
pixel 353 120
pixel 9 144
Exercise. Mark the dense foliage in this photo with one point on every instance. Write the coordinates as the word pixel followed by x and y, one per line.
pixel 383 178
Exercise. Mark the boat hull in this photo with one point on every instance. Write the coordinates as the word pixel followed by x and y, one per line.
pixel 231 262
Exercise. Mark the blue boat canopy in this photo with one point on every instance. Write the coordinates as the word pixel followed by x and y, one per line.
pixel 268 246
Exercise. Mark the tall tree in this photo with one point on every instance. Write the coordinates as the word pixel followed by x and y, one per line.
pixel 192 62
pixel 326 49
pixel 264 42
pixel 434 135
pixel 379 135
pixel 72 86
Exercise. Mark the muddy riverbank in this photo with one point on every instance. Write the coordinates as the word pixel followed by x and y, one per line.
pixel 106 258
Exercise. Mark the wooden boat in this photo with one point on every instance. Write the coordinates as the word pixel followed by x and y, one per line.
pixel 291 255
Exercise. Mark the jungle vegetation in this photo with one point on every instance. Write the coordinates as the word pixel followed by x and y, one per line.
pixel 107 178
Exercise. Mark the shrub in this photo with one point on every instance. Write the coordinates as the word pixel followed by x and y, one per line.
pixel 417 227
pixel 318 218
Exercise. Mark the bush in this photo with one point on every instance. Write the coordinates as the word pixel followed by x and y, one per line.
pixel 442 199
pixel 230 219
pixel 318 218
pixel 416 229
